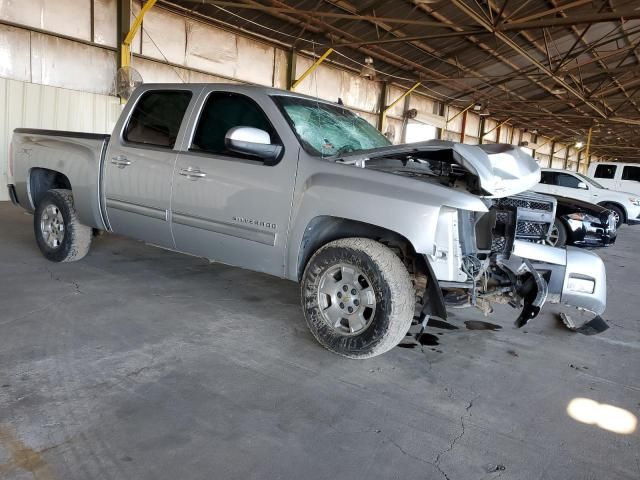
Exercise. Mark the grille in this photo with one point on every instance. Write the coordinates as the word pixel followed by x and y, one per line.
pixel 499 244
pixel 524 203
pixel 502 217
pixel 531 229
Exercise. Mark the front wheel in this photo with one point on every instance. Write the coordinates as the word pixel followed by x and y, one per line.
pixel 59 234
pixel 617 214
pixel 357 297
pixel 558 235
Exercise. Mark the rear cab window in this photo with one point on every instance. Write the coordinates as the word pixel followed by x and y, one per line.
pixel 156 118
pixel 605 171
pixel 631 173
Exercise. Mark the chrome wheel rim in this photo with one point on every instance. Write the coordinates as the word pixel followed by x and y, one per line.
pixel 616 217
pixel 346 299
pixel 52 226
pixel 553 236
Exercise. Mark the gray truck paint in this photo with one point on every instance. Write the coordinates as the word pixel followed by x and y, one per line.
pixel 247 214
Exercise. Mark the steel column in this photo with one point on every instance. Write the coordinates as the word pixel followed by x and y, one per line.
pixel 125 48
pixel 311 69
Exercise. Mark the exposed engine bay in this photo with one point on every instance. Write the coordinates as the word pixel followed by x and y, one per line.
pixel 498 256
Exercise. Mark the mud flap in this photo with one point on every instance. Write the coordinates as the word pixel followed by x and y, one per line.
pixel 593 327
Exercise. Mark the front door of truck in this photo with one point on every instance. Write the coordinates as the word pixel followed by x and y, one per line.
pixel 230 207
pixel 139 166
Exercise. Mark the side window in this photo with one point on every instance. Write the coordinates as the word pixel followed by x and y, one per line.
pixel 156 118
pixel 631 173
pixel 605 171
pixel 566 180
pixel 221 112
pixel 547 178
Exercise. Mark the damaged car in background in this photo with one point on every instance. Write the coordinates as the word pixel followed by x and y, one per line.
pixel 377 235
pixel 582 224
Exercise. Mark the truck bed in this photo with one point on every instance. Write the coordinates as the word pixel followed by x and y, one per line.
pixel 79 156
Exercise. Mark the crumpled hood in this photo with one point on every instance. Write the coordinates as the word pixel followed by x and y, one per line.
pixel 502 169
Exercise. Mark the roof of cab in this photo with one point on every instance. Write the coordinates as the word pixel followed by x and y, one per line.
pixel 235 87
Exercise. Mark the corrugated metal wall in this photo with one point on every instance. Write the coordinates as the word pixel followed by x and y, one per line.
pixel 40 106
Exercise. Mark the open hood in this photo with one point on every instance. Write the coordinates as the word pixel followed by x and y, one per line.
pixel 502 170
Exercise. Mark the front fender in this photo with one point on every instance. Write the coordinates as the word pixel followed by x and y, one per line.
pixel 407 207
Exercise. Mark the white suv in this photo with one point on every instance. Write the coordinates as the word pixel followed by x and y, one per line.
pixel 626 206
pixel 622 177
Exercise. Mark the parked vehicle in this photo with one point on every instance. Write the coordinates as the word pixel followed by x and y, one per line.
pixel 303 189
pixel 582 224
pixel 621 177
pixel 626 206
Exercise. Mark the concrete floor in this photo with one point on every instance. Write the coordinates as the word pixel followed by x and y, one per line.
pixel 144 364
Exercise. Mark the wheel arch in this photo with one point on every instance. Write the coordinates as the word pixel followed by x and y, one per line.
pixel 326 228
pixel 618 205
pixel 41 180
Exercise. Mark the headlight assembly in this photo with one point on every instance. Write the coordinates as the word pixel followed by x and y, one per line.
pixel 583 217
pixel 635 201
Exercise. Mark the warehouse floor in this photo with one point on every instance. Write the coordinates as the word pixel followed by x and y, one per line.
pixel 144 364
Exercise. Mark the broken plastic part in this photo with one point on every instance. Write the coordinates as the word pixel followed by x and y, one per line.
pixel 593 327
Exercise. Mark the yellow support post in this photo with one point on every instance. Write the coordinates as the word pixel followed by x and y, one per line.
pixel 496 127
pixel 544 143
pixel 310 70
pixel 383 114
pixel 588 145
pixel 446 122
pixel 125 59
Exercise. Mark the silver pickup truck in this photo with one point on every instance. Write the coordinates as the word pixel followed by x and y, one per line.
pixel 378 236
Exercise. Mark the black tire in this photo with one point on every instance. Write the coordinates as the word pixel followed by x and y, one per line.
pixel 562 233
pixel 390 282
pixel 75 238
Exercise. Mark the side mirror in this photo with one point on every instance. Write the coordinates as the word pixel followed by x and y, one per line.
pixel 254 142
pixel 583 186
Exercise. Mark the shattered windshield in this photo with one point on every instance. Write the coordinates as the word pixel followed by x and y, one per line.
pixel 327 130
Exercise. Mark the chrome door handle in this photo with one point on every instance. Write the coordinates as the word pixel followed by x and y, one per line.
pixel 121 161
pixel 192 173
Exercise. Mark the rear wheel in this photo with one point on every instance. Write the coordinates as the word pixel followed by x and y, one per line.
pixel 357 297
pixel 59 234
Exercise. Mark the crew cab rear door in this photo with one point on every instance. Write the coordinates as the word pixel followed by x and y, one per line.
pixel 230 207
pixel 140 160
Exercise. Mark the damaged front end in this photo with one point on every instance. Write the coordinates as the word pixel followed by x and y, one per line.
pixel 498 255
pixel 496 266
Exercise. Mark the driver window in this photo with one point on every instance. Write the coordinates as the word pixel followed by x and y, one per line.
pixel 566 180
pixel 221 112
